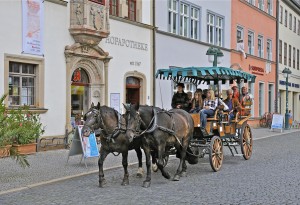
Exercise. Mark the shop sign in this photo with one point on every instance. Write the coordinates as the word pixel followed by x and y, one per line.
pixel 126 43
pixel 257 70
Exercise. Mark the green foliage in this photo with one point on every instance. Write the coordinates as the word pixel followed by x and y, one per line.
pixel 18 126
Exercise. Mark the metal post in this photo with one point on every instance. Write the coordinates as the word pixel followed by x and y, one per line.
pixel 215 63
pixel 287 104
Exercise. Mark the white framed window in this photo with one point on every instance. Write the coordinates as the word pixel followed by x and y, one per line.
pixel 269 49
pixel 251 42
pixel 270 7
pixel 184 16
pixel 261 99
pixel 280 14
pixel 173 16
pixel 295 24
pixel 219 31
pixel 260 46
pixel 239 35
pixel 285 18
pixel 299 27
pixel 294 57
pixel 290 21
pixel 251 92
pixel 215 29
pixel 252 2
pixel 195 23
pixel 210 28
pixel 261 5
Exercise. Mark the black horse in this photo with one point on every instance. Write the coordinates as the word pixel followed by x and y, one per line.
pixel 163 130
pixel 112 137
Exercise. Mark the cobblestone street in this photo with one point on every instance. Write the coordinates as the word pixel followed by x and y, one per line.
pixel 269 177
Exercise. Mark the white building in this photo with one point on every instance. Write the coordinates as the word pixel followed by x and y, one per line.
pixel 185 31
pixel 83 57
pixel 289 48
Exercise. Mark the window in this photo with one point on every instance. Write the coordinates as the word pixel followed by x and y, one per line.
pixel 194 23
pixel 210 28
pixel 280 51
pixel 219 31
pixel 260 46
pixel 269 49
pixel 294 57
pixel 280 14
pixel 252 2
pixel 173 14
pixel 114 7
pixel 132 10
pixel 270 7
pixel 290 55
pixel 290 21
pixel 299 27
pixel 250 42
pixel 21 84
pixel 285 54
pixel 239 34
pixel 285 18
pixel 261 4
pixel 215 29
pixel 184 15
pixel 261 97
pixel 298 59
pixel 295 24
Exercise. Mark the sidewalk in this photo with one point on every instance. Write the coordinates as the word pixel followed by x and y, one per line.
pixel 52 165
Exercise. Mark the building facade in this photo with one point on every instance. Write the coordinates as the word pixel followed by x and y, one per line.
pixel 253 46
pixel 288 56
pixel 185 31
pixel 77 55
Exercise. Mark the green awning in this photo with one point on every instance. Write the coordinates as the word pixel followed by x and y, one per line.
pixel 199 74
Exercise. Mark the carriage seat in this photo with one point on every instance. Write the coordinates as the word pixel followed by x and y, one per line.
pixel 214 118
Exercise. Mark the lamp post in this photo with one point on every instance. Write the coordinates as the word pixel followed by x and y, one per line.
pixel 286 72
pixel 216 53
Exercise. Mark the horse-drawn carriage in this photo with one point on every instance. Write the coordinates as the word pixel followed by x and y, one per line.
pixel 220 130
pixel 158 131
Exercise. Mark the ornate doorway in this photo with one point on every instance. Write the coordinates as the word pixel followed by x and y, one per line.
pixel 80 95
pixel 132 90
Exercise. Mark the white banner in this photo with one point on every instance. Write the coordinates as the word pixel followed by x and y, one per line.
pixel 33 26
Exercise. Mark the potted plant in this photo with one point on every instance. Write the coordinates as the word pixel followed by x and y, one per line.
pixel 19 130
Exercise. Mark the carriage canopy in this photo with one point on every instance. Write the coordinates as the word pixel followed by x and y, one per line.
pixel 200 75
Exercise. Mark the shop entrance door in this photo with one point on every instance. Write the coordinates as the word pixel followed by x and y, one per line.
pixel 79 96
pixel 132 90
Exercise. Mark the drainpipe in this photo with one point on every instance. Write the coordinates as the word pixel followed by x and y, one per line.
pixel 277 56
pixel 154 51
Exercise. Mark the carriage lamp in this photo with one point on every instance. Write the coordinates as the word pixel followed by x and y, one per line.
pixel 286 72
pixel 214 56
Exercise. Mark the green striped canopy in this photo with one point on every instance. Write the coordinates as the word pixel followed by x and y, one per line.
pixel 199 75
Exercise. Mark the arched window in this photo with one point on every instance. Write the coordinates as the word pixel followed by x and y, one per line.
pixel 80 77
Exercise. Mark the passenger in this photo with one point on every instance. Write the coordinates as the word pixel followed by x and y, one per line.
pixel 232 103
pixel 204 93
pixel 246 101
pixel 209 107
pixel 180 99
pixel 236 93
pixel 197 102
pixel 190 96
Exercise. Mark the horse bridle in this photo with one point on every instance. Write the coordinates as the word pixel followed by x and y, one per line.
pixel 137 129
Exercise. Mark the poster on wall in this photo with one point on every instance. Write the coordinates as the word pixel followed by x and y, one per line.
pixel 115 101
pixel 33 26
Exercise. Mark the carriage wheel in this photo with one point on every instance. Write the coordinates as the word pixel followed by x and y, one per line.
pixel 246 141
pixel 216 153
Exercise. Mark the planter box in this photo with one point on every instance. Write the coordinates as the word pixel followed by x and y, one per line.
pixel 25 148
pixel 5 151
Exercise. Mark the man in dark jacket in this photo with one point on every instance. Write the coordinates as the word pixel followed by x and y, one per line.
pixel 180 99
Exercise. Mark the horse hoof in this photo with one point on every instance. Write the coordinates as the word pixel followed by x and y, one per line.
pixel 154 168
pixel 140 173
pixel 102 183
pixel 176 177
pixel 125 183
pixel 167 175
pixel 183 174
pixel 146 184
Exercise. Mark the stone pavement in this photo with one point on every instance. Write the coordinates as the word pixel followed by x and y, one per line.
pixel 51 166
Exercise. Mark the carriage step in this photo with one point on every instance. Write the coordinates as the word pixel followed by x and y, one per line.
pixel 232 144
